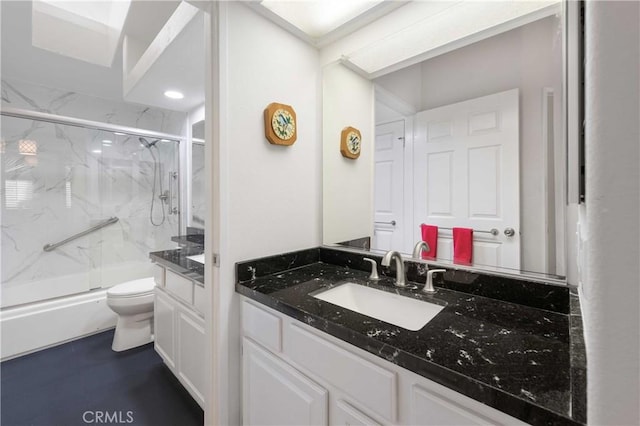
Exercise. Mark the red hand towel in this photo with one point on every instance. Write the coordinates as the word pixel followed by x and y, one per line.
pixel 462 245
pixel 430 236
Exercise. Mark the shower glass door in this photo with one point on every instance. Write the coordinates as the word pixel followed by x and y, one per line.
pixel 139 184
pixel 60 180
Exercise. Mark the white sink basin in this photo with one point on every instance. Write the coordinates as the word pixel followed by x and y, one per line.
pixel 405 312
pixel 197 258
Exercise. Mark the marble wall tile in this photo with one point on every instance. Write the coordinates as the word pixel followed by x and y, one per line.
pixel 74 182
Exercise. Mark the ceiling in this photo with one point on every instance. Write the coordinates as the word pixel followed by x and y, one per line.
pixel 161 47
pixel 21 60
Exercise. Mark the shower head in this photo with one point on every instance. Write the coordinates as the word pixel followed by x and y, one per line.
pixel 146 143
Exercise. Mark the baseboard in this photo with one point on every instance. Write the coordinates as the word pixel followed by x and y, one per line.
pixel 36 326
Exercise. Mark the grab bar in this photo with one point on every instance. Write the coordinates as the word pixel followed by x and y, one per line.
pixel 107 222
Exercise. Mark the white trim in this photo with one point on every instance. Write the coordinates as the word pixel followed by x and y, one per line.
pixel 389 99
pixel 36 326
pixel 216 51
pixel 572 80
pixel 547 92
pixel 454 45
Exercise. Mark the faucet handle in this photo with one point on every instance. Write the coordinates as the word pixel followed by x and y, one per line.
pixel 374 269
pixel 428 287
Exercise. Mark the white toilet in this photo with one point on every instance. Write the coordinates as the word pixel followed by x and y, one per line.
pixel 133 302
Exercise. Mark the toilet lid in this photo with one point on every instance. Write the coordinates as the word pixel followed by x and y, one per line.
pixel 132 288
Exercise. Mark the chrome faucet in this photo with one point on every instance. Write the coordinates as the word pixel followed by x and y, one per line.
pixel 417 250
pixel 401 279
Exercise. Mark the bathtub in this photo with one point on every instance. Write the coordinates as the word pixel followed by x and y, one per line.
pixel 68 308
pixel 39 325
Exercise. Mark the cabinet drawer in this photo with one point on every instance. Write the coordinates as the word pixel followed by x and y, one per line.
pixel 374 387
pixel 158 275
pixel 199 298
pixel 179 286
pixel 262 326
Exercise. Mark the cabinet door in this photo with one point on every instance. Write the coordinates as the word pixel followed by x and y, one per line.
pixel 274 393
pixel 164 312
pixel 345 414
pixel 192 354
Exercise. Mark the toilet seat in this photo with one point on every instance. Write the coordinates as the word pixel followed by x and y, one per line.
pixel 135 288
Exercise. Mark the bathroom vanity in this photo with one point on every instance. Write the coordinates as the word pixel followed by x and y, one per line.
pixel 500 351
pixel 179 316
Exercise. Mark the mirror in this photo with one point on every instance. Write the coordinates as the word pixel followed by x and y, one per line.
pixel 473 137
pixel 198 202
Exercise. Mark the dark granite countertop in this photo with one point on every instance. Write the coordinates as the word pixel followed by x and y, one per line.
pixel 177 261
pixel 521 360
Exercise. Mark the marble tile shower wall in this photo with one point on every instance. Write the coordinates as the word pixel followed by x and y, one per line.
pixel 73 182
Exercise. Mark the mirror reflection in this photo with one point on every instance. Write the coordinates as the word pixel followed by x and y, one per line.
pixel 198 202
pixel 472 139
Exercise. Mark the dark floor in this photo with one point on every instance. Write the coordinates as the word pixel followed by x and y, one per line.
pixel 85 382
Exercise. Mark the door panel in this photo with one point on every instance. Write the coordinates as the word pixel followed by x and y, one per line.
pixel 164 330
pixel 466 174
pixel 440 184
pixel 484 182
pixel 388 186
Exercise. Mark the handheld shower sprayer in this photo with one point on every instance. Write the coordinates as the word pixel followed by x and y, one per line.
pixel 157 178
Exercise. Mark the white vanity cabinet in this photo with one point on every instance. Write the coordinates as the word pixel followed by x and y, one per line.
pixel 179 336
pixel 295 374
pixel 268 382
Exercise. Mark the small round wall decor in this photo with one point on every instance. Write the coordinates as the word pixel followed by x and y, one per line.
pixel 350 142
pixel 280 124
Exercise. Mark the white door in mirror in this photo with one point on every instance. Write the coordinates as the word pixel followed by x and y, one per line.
pixel 466 174
pixel 388 199
pixel 405 312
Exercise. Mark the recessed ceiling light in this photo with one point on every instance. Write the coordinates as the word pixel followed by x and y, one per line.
pixel 173 94
pixel 119 134
pixel 97 151
pixel 107 142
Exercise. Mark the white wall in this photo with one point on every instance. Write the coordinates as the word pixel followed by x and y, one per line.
pixel 528 58
pixel 611 286
pixel 269 197
pixel 347 196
